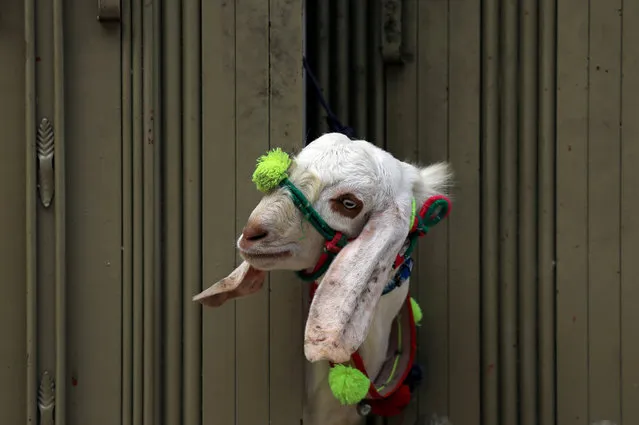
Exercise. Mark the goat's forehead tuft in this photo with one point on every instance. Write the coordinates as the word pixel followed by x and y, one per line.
pixel 354 165
pixel 335 154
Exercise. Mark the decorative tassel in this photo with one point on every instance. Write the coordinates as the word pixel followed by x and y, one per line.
pixel 348 384
pixel 417 311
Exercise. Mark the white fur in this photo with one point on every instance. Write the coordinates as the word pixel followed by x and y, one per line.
pixel 348 312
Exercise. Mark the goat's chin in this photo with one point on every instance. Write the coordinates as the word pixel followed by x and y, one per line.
pixel 270 262
pixel 287 264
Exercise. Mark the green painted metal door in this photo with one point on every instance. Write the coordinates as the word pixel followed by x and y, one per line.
pixel 128 145
pixel 130 130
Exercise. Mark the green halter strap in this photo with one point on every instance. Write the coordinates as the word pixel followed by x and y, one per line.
pixel 304 205
pixel 432 212
pixel 335 241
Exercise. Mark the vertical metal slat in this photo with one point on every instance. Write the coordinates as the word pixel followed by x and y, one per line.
pixel 192 273
pixel 172 182
pixel 31 204
pixel 323 63
pixel 378 87
pixel 151 206
pixel 629 218
pixel 342 46
pixel 138 212
pixel 360 68
pixel 527 168
pixel 490 365
pixel 127 216
pixel 508 212
pixel 60 215
pixel 218 218
pixel 546 212
pixel 464 224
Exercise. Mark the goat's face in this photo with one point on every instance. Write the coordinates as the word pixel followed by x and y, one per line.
pixel 344 180
pixel 358 190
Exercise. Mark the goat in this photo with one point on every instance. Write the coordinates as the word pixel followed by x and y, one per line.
pixel 368 197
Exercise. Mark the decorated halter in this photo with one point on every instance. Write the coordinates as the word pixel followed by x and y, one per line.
pixel 351 385
pixel 272 172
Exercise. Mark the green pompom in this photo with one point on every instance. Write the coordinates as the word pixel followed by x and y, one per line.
pixel 348 384
pixel 271 170
pixel 417 311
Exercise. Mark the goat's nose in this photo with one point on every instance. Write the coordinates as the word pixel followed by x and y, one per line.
pixel 254 232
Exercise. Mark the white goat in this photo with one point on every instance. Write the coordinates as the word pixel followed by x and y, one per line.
pixel 369 196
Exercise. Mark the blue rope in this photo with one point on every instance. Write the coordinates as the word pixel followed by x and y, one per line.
pixel 331 119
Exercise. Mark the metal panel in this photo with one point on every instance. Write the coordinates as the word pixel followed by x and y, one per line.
pixel 508 253
pixel 121 146
pixel 546 211
pixel 151 244
pixel 191 208
pixel 31 259
pixel 127 73
pixel 47 283
pixel 629 247
pixel 343 83
pixel 360 68
pixel 604 188
pixel 141 148
pixel 219 153
pixel 189 137
pixel 589 362
pixel 91 129
pixel 490 368
pixel 464 238
pixel 527 217
pixel 172 290
pixel 137 183
pixel 377 87
pixel 572 213
pixel 323 49
pixel 344 54
pixel 60 154
pixel 15 174
pixel 93 213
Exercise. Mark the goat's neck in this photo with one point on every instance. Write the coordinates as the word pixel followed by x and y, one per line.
pixel 321 407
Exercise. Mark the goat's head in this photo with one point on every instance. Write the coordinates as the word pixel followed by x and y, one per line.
pixel 358 190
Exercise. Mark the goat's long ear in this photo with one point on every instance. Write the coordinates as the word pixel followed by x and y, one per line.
pixel 244 280
pixel 343 306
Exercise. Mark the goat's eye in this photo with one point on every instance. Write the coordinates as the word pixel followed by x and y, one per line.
pixel 348 204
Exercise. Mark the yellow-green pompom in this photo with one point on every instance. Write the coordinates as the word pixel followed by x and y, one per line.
pixel 348 384
pixel 417 311
pixel 271 170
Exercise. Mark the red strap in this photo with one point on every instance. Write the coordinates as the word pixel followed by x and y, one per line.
pixel 312 290
pixel 331 246
pixel 359 363
pixel 323 259
pixel 430 201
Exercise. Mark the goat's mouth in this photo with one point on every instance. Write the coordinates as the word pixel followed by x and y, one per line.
pixel 264 256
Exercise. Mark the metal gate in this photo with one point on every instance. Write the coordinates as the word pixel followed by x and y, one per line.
pixel 128 143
